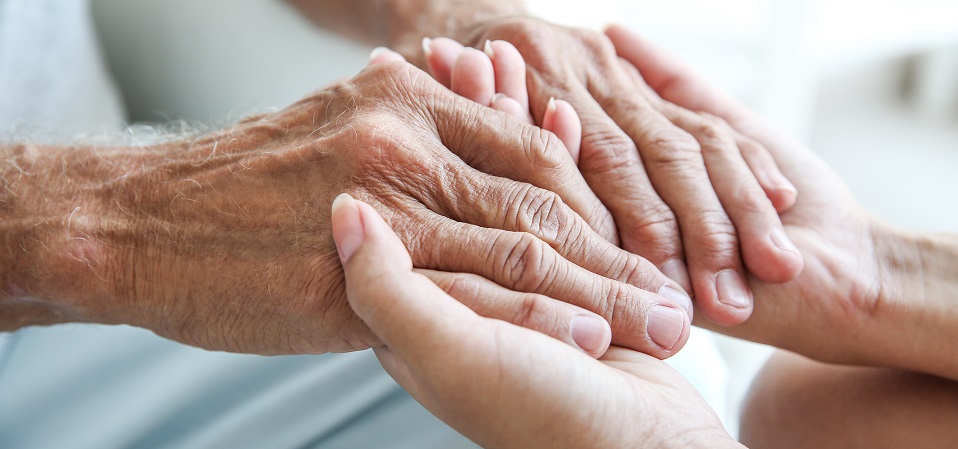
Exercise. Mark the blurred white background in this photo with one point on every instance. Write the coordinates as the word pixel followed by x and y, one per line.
pixel 870 85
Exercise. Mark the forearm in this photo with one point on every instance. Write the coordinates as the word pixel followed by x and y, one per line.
pixel 60 223
pixel 43 192
pixel 401 24
pixel 920 302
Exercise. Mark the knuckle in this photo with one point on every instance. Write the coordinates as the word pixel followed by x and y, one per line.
pixel 656 221
pixel 598 43
pixel 712 133
pixel 654 233
pixel 373 144
pixel 724 125
pixel 749 198
pixel 615 296
pixel 543 149
pixel 389 74
pixel 544 214
pixel 749 147
pixel 672 146
pixel 610 150
pixel 633 270
pixel 715 237
pixel 522 32
pixel 526 262
pixel 398 86
pixel 461 286
pixel 533 313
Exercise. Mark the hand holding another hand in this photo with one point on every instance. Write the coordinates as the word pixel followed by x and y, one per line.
pixel 224 242
pixel 869 293
pixel 686 192
pixel 502 385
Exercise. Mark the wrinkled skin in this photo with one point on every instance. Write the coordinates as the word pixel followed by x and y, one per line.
pixel 693 197
pixel 502 385
pixel 224 242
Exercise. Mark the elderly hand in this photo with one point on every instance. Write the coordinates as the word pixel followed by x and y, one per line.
pixel 679 185
pixel 684 194
pixel 224 242
pixel 502 385
pixel 869 294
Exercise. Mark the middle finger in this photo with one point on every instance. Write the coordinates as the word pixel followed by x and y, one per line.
pixel 675 164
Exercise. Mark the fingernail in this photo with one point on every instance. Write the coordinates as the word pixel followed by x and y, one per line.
pixel 591 333
pixel 679 297
pixel 550 107
pixel 487 47
pixel 348 232
pixel 496 97
pixel 378 51
pixel 783 242
pixel 548 117
pixel 676 270
pixel 666 326
pixel 731 290
pixel 426 47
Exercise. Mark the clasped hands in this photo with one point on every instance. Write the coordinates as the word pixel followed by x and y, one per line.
pixel 227 241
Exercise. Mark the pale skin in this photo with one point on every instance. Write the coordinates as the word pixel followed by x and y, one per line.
pixel 870 294
pixel 651 166
pixel 907 397
pixel 499 384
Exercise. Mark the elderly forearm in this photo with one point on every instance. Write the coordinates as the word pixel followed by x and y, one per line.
pixel 61 221
pixel 42 190
pixel 401 24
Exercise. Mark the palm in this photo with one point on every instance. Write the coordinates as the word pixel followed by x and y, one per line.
pixel 628 397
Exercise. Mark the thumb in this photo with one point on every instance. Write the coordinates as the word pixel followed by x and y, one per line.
pixel 406 310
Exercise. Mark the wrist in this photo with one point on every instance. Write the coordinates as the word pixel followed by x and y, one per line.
pixel 916 314
pixel 29 219
pixel 63 226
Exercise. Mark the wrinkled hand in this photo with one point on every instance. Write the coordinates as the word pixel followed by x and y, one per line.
pixel 834 310
pixel 225 242
pixel 502 385
pixel 680 186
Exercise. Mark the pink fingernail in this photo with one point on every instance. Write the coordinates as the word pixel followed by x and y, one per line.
pixel 488 49
pixel 666 326
pixel 378 51
pixel 548 117
pixel 591 333
pixel 427 47
pixel 731 290
pixel 347 226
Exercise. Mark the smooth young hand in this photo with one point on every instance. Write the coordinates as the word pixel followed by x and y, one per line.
pixel 869 294
pixel 502 385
